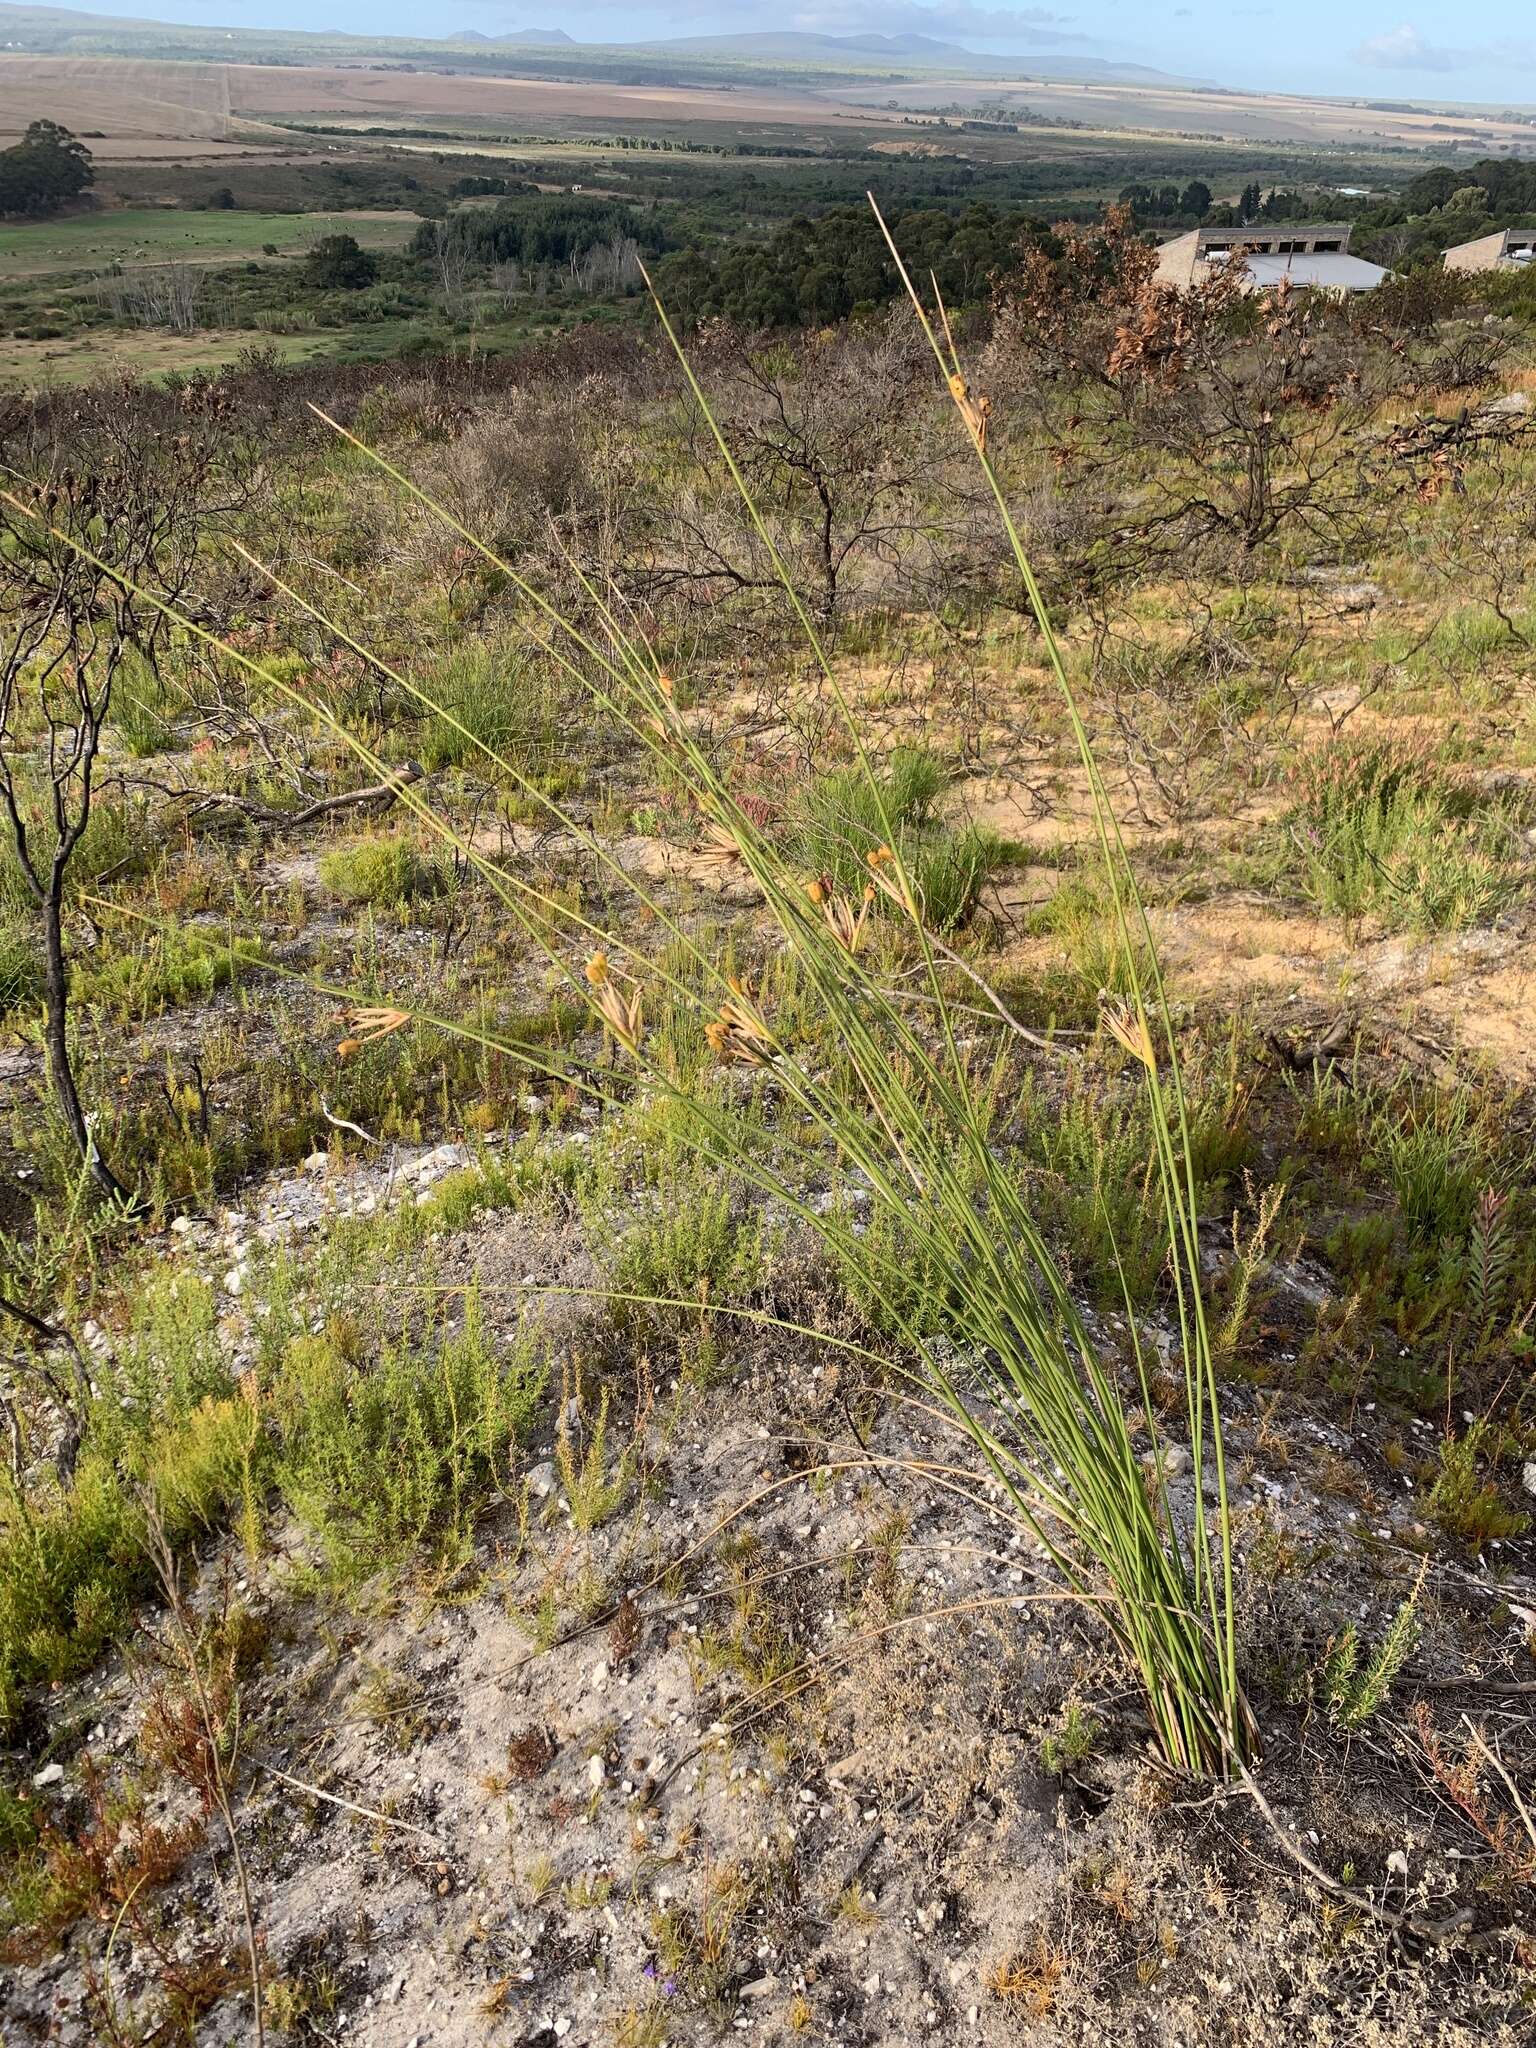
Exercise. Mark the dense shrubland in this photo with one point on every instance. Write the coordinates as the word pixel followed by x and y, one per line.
pixel 726 854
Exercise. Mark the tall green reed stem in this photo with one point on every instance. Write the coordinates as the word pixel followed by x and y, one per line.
pixel 907 1110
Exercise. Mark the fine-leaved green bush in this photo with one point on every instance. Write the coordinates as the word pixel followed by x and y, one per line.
pixel 382 1457
pixel 1383 832
pixel 383 872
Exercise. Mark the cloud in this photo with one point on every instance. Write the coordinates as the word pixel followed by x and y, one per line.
pixel 1408 49
pixel 1404 49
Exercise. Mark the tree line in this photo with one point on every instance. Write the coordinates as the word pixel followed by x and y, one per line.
pixel 814 272
pixel 44 171
pixel 538 231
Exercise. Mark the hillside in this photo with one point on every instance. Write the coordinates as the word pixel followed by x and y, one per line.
pixel 767 1231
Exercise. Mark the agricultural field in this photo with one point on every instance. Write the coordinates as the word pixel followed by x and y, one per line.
pixel 1211 112
pixel 56 278
pixel 136 102
pixel 159 235
pixel 767 1233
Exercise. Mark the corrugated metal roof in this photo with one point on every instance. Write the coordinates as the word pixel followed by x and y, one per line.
pixel 1336 273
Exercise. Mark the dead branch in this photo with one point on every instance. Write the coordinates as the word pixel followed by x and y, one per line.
pixel 268 819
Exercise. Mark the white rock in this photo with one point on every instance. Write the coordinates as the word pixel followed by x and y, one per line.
pixel 1528 1475
pixel 596 1772
pixel 50 1774
pixel 234 1281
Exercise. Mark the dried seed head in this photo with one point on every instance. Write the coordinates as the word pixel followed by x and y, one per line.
pixel 378 1022
pixel 621 1013
pixel 721 847
pixel 596 970
pixel 1131 1030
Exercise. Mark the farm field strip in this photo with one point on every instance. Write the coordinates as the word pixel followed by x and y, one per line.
pixel 150 234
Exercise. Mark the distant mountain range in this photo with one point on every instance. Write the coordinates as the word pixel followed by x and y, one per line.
pixel 541 38
pixel 793 43
pixel 804 58
pixel 797 46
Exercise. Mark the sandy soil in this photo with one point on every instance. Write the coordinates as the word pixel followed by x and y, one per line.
pixel 609 1840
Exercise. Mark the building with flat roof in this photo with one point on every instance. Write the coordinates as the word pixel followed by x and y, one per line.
pixel 1314 254
pixel 1504 249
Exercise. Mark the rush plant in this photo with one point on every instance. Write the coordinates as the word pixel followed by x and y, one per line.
pixel 903 1101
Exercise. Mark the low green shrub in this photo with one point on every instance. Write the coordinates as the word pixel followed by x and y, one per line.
pixel 166 1426
pixel 380 1459
pixel 72 1565
pixel 1357 1679
pixel 173 965
pixel 1465 1501
pixel 1384 832
pixel 383 872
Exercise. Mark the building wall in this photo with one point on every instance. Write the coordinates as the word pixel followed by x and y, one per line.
pixel 1176 260
pixel 1483 254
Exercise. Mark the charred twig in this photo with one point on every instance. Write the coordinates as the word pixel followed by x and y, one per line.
pixel 42 1332
pixel 269 819
pixel 1318 1054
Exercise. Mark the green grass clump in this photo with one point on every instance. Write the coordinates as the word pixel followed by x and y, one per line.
pixel 143 708
pixel 121 840
pixel 174 965
pixel 1434 1154
pixel 839 823
pixel 380 1460
pixel 1388 834
pixel 383 872
pixel 485 695
pixel 1080 916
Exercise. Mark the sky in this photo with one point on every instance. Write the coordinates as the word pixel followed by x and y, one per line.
pixel 1387 49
